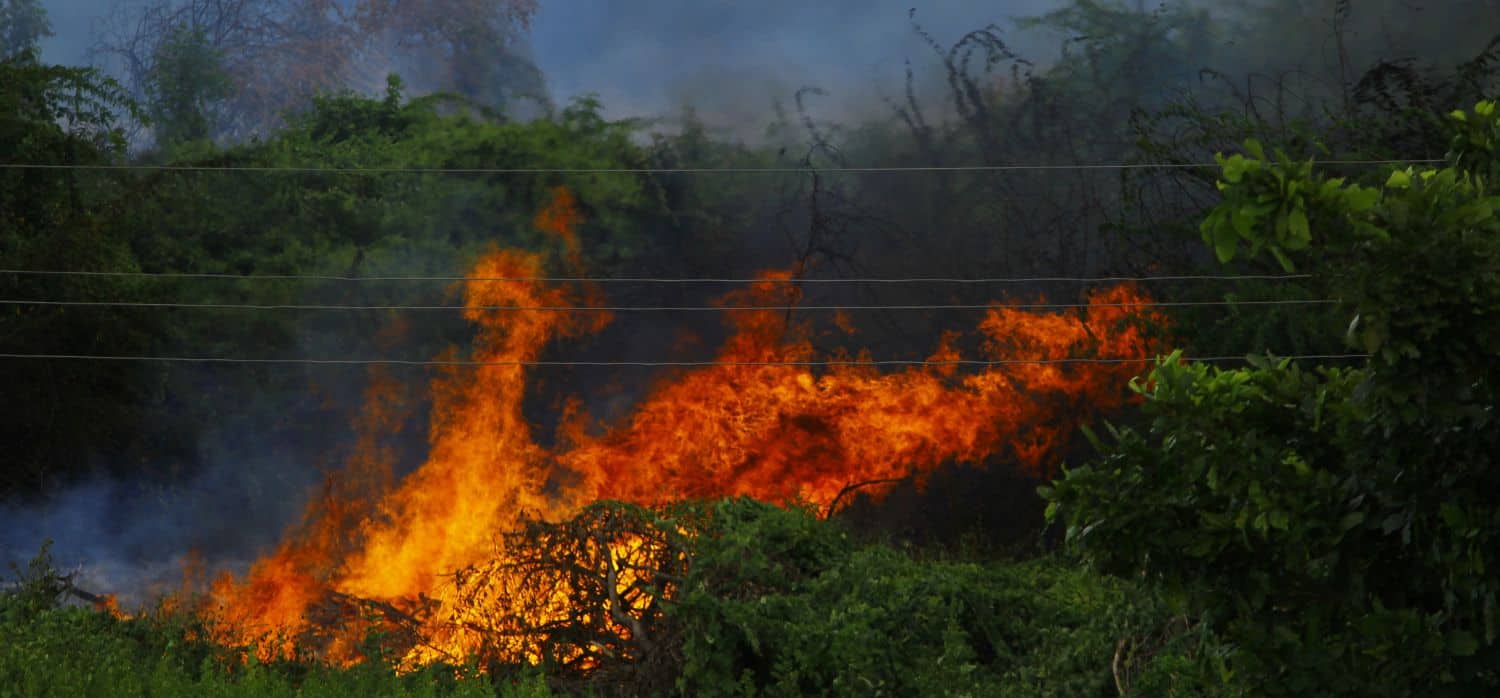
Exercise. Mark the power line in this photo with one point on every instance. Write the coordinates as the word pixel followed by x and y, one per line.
pixel 653 170
pixel 667 308
pixel 662 280
pixel 649 364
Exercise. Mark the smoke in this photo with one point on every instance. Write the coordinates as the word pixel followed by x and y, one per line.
pixel 264 455
pixel 72 30
pixel 730 61
pixel 135 537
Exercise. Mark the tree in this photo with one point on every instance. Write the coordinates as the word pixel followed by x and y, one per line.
pixel 184 87
pixel 58 419
pixel 1340 525
pixel 23 23
pixel 278 55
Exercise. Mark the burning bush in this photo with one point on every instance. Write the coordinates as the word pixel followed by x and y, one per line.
pixel 448 556
pixel 585 598
pixel 741 596
pixel 698 598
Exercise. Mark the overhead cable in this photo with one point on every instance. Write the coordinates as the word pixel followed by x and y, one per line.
pixel 664 280
pixel 647 364
pixel 669 308
pixel 653 170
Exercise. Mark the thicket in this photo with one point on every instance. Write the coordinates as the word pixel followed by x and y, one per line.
pixel 1336 525
pixel 772 601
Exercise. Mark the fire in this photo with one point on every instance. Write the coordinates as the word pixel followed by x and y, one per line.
pixel 760 422
pixel 560 218
pixel 760 427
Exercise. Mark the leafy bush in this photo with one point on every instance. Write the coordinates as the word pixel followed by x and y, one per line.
pixel 780 603
pixel 1339 525
pixel 740 597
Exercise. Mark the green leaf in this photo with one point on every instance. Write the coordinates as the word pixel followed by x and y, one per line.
pixel 1254 148
pixel 1297 227
pixel 1453 516
pixel 1225 242
pixel 1234 169
pixel 1462 643
pixel 1210 225
pixel 1400 179
pixel 1360 199
pixel 1280 520
pixel 1350 520
pixel 1281 258
pixel 1391 523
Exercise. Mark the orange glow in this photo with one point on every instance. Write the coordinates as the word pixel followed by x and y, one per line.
pixel 752 425
pixel 561 218
pixel 109 603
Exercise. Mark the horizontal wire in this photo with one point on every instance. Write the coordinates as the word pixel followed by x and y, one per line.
pixel 649 364
pixel 652 170
pixel 667 308
pixel 653 280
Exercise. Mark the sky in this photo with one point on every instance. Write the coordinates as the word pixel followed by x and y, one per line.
pixel 729 58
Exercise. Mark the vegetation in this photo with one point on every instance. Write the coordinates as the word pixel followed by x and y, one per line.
pixel 1335 524
pixel 776 602
pixel 1278 528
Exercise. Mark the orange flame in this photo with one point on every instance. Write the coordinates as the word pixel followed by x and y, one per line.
pixel 756 424
pixel 561 218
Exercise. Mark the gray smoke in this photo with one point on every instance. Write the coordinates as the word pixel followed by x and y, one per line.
pixel 133 538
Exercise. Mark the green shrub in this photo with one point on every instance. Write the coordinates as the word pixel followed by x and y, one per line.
pixel 1339 526
pixel 780 603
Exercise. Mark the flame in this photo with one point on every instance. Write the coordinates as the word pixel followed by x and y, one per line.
pixel 560 218
pixel 760 422
pixel 110 603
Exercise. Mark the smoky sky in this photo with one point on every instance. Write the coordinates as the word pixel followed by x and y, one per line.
pixel 730 58
pixel 727 58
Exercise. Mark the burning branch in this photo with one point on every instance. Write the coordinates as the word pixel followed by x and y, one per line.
pixel 582 595
pixel 851 488
pixel 616 606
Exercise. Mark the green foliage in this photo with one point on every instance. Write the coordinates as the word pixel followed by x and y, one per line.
pixel 185 83
pixel 78 652
pixel 61 415
pixel 1242 495
pixel 35 589
pixel 367 223
pixel 1476 141
pixel 779 603
pixel 775 602
pixel 1375 107
pixel 1338 526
